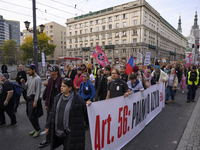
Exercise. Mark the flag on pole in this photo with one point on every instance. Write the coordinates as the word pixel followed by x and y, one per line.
pixel 129 65
pixel 100 56
pixel 190 60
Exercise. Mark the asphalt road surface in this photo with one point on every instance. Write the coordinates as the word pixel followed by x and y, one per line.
pixel 162 133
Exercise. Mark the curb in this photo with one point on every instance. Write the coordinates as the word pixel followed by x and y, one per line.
pixel 188 130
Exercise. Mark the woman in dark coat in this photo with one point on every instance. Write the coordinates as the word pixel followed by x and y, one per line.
pixel 66 122
pixel 71 72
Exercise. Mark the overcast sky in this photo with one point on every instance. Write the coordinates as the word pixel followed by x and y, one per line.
pixel 169 9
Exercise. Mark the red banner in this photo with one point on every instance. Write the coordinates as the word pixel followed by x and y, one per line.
pixel 100 56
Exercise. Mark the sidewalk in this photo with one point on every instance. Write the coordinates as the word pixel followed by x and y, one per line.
pixel 191 136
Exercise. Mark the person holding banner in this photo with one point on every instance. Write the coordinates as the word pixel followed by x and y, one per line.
pixel 171 85
pixel 134 84
pixel 67 119
pixel 117 87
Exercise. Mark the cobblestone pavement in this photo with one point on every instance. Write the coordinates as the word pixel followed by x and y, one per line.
pixel 191 137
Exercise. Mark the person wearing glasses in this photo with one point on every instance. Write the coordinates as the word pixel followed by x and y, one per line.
pixel 67 119
pixel 87 90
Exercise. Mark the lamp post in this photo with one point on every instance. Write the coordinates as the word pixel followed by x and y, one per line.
pixel 35 41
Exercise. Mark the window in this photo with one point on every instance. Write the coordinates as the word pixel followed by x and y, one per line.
pixel 86 24
pixel 110 35
pixel 91 30
pixel 117 17
pixel 103 43
pixel 75 32
pixel 117 25
pixel 70 33
pixel 61 32
pixel 116 51
pixel 70 46
pixel 64 33
pixel 65 43
pixel 124 41
pixel 110 26
pixel 61 47
pixel 110 19
pixel 91 22
pixel 124 24
pixel 91 44
pixel 61 42
pixel 97 43
pixel 81 47
pixel 80 31
pixel 124 33
pixel 103 20
pixel 51 36
pixel 81 25
pixel 134 22
pixel 51 27
pixel 61 51
pixel 97 21
pixel 46 28
pixel 86 38
pixel 51 41
pixel 134 50
pixel 124 16
pixel 103 27
pixel 75 26
pixel 91 38
pixel 97 37
pixel 97 28
pixel 144 32
pixel 76 40
pixel 46 32
pixel 76 46
pixel 134 32
pixel 51 31
pixel 134 40
pixel 75 53
pixel 117 34
pixel 135 13
pixel 65 48
pixel 116 42
pixel 124 50
pixel 61 37
pixel 109 51
pixel 70 40
pixel 81 39
pixel 103 36
pixel 109 43
pixel 85 30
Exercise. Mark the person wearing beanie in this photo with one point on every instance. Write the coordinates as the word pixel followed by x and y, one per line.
pixel 192 82
pixel 140 76
pixel 7 101
pixel 158 75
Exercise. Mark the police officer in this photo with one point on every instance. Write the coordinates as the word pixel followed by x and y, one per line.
pixel 192 83
pixel 95 70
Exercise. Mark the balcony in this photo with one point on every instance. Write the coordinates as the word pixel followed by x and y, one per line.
pixel 109 46
pixel 85 48
pixel 172 53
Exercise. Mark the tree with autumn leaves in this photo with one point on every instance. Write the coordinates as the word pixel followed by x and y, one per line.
pixel 43 46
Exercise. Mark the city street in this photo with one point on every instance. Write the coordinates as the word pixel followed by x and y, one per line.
pixel 162 133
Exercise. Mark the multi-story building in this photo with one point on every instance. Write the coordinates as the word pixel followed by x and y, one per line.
pixel 57 33
pixel 9 29
pixel 123 30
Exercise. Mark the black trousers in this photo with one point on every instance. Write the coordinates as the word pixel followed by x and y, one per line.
pixel 48 136
pixel 32 116
pixel 57 141
pixel 10 112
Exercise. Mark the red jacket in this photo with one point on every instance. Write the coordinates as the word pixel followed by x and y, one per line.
pixel 79 82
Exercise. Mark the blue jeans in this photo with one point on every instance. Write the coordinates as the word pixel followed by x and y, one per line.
pixel 191 92
pixel 169 90
pixel 61 71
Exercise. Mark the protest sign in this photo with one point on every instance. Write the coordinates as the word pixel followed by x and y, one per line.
pixel 147 58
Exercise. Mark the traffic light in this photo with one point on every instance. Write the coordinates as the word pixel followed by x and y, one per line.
pixel 197 45
pixel 192 45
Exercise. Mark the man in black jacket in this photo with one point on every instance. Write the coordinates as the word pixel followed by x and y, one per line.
pixel 102 92
pixel 21 74
pixel 4 68
pixel 178 73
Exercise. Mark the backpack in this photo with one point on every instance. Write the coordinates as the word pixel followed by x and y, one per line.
pixel 87 91
pixel 17 89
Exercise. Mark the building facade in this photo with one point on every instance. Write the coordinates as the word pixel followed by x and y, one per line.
pixel 124 30
pixel 9 29
pixel 57 33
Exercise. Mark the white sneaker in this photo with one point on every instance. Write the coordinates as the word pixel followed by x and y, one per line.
pixel 183 92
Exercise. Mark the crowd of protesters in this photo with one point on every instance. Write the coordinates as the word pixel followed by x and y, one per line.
pixel 67 93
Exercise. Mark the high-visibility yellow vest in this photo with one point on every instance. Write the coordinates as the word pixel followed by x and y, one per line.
pixel 195 82
pixel 95 72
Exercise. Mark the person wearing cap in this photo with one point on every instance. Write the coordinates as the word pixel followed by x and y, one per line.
pixel 192 82
pixel 95 70
pixel 140 76
pixel 7 101
pixel 53 89
pixel 33 87
pixel 78 79
pixel 158 75
pixel 123 75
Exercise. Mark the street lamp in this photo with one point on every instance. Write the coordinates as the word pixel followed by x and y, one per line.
pixel 27 24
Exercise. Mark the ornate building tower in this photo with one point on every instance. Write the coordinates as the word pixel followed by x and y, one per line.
pixel 179 25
